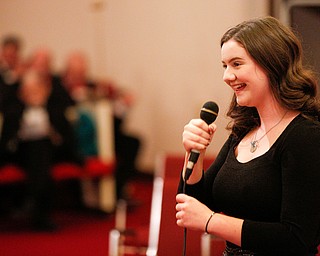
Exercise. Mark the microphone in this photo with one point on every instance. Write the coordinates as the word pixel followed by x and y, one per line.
pixel 208 113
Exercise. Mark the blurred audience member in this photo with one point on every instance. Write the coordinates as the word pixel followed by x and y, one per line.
pixel 11 68
pixel 41 62
pixel 35 135
pixel 82 89
pixel 76 81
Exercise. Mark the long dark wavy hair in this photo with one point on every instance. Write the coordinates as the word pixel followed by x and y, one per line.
pixel 276 49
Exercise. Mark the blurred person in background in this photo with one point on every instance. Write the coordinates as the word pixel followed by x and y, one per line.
pixel 35 135
pixel 81 88
pixel 41 62
pixel 76 81
pixel 11 68
pixel 75 78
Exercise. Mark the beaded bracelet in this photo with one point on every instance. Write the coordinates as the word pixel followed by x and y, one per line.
pixel 206 229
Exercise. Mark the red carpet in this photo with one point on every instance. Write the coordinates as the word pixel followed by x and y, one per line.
pixel 81 233
pixel 85 233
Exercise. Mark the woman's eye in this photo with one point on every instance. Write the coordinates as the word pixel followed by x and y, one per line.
pixel 236 64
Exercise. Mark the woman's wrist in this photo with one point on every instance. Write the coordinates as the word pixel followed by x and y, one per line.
pixel 208 221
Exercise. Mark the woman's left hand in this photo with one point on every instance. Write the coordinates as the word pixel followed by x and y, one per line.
pixel 191 213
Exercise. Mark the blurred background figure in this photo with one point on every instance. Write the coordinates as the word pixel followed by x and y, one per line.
pixel 35 135
pixel 11 68
pixel 80 88
pixel 41 62
pixel 75 78
pixel 83 89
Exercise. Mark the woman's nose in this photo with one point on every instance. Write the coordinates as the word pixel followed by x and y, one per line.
pixel 228 76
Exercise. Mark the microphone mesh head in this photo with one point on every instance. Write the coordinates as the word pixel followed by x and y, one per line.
pixel 209 112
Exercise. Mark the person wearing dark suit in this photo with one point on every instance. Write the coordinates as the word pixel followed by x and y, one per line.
pixel 35 135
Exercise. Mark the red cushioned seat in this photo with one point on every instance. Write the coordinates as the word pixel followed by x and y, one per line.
pixel 95 167
pixel 63 171
pixel 11 173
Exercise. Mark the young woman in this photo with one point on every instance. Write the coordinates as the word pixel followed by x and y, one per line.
pixel 262 193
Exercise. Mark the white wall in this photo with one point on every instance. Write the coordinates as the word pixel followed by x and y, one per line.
pixel 167 52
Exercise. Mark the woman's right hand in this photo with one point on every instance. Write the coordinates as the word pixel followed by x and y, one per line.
pixel 197 134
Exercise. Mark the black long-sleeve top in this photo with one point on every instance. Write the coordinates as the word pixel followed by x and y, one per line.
pixel 277 194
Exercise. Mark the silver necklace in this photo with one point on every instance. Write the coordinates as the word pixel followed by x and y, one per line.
pixel 255 143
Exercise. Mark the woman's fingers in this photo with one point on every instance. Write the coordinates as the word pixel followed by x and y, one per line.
pixel 197 135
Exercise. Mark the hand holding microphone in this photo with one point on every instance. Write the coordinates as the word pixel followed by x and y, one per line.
pixel 197 134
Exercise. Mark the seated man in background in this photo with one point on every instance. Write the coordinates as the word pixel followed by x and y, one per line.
pixel 35 135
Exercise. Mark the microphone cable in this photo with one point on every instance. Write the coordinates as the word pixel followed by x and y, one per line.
pixel 185 229
pixel 186 177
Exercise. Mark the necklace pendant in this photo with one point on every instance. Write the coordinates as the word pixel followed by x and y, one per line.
pixel 254 146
